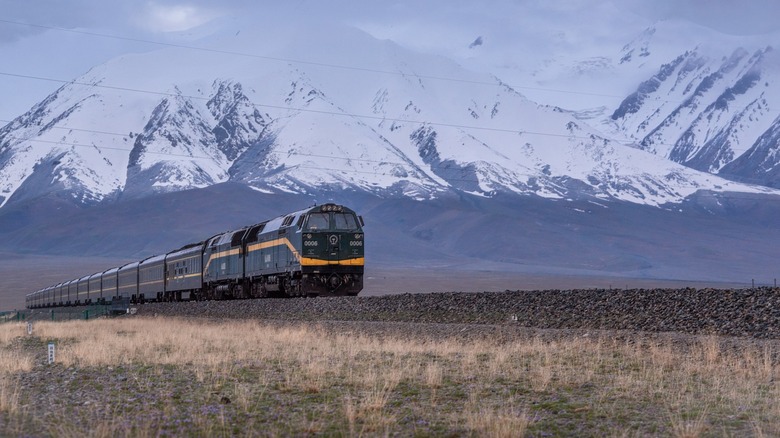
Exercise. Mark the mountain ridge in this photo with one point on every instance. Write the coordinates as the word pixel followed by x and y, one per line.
pixel 451 166
pixel 283 127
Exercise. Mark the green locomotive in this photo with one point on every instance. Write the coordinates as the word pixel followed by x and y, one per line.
pixel 315 251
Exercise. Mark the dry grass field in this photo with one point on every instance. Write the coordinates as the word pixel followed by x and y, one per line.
pixel 147 376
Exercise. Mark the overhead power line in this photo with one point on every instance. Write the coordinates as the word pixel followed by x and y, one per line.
pixel 287 108
pixel 304 62
pixel 497 82
pixel 434 168
pixel 307 110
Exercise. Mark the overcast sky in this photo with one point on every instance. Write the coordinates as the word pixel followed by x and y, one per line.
pixel 31 47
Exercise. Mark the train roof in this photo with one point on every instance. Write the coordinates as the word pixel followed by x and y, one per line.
pixel 278 222
pixel 153 259
pixel 226 237
pixel 187 249
pixel 189 246
pixel 131 265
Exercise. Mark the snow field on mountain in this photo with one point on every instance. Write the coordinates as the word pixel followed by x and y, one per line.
pixel 301 108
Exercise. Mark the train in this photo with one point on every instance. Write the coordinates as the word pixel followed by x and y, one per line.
pixel 316 251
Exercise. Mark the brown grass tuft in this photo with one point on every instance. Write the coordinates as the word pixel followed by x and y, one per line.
pixel 226 378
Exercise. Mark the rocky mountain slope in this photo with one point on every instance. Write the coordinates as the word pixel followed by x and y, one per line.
pixel 451 164
pixel 178 118
pixel 711 107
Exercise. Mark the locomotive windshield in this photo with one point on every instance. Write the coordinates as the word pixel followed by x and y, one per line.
pixel 344 221
pixel 318 221
pixel 331 221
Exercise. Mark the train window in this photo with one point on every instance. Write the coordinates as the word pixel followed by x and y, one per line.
pixel 287 221
pixel 254 232
pixel 236 238
pixel 345 221
pixel 318 221
pixel 299 224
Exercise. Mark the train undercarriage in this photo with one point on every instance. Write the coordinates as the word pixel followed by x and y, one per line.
pixel 288 285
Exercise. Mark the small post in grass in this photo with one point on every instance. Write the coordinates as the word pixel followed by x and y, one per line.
pixel 51 353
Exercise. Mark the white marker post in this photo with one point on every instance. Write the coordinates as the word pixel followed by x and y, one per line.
pixel 29 327
pixel 51 353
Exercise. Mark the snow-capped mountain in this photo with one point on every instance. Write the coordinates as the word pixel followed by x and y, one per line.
pixel 711 107
pixel 179 118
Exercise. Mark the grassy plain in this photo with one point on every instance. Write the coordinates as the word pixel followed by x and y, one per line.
pixel 170 377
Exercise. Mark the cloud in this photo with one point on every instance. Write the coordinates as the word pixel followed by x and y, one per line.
pixel 21 12
pixel 159 17
pixel 736 17
pixel 126 17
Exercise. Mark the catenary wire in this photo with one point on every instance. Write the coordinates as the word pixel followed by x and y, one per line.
pixel 333 113
pixel 287 60
pixel 307 110
pixel 433 168
pixel 302 62
pixel 332 157
pixel 290 60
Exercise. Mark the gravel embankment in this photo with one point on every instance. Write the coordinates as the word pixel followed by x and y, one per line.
pixel 744 312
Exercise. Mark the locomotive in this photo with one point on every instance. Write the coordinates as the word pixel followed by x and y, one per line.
pixel 311 252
